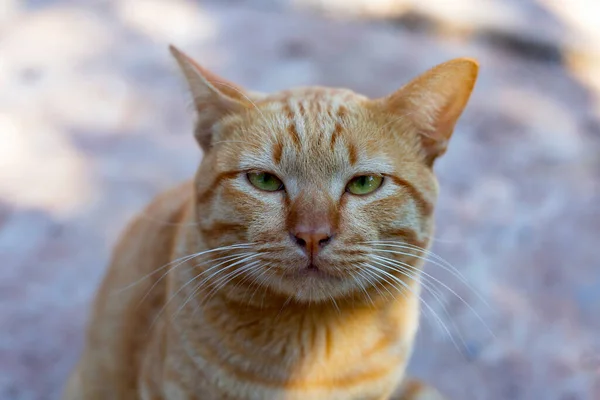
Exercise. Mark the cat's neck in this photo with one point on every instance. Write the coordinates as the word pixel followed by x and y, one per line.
pixel 306 341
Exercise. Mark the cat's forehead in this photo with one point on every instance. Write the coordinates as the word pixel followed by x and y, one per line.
pixel 308 131
pixel 314 94
pixel 313 108
pixel 310 115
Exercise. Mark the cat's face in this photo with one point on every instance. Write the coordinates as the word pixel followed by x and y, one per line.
pixel 329 187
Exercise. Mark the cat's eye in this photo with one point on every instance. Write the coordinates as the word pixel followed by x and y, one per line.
pixel 265 181
pixel 364 184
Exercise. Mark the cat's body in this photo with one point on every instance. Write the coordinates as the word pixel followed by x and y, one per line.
pixel 285 300
pixel 256 352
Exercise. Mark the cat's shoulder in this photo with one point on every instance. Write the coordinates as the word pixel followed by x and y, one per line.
pixel 167 209
pixel 158 222
pixel 171 200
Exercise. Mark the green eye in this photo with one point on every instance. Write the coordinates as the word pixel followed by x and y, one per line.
pixel 265 181
pixel 364 184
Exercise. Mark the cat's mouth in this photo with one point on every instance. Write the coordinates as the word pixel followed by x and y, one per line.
pixel 313 271
pixel 313 282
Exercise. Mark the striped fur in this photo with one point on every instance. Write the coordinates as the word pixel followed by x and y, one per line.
pixel 254 320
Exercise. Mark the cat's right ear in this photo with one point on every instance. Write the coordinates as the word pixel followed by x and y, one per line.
pixel 213 97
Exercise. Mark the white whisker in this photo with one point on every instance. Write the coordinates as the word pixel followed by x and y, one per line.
pixel 285 303
pixel 335 304
pixel 446 265
pixel 427 285
pixel 366 274
pixel 237 258
pixel 407 287
pixel 441 262
pixel 431 277
pixel 256 280
pixel 372 270
pixel 215 289
pixel 224 280
pixel 182 260
pixel 421 278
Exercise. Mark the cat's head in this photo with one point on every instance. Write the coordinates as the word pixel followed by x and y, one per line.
pixel 334 192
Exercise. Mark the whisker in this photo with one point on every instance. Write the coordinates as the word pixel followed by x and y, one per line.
pixel 446 265
pixel 246 278
pixel 431 277
pixel 265 287
pixel 256 281
pixel 374 269
pixel 369 281
pixel 335 304
pixel 235 258
pixel 418 277
pixel 430 288
pixel 170 270
pixel 215 289
pixel 285 303
pixel 367 276
pixel 239 258
pixel 224 280
pixel 407 287
pixel 182 260
pixel 229 257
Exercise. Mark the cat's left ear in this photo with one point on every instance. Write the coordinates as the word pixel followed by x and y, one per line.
pixel 214 97
pixel 434 101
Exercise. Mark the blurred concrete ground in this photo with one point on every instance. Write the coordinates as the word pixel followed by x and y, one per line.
pixel 94 121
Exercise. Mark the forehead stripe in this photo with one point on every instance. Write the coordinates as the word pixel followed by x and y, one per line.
pixel 277 151
pixel 337 130
pixel 292 130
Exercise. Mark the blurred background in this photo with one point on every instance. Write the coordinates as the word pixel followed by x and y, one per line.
pixel 95 120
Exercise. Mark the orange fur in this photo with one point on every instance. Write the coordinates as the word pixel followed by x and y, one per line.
pixel 300 305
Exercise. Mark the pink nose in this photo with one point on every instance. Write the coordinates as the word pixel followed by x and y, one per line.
pixel 312 241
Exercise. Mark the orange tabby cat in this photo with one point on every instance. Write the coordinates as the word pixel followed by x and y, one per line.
pixel 288 268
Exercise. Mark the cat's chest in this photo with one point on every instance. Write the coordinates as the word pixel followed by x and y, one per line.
pixel 305 358
pixel 205 376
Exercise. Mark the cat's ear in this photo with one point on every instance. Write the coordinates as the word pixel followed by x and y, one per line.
pixel 434 101
pixel 213 96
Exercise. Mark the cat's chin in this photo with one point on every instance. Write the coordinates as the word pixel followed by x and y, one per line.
pixel 312 273
pixel 310 285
